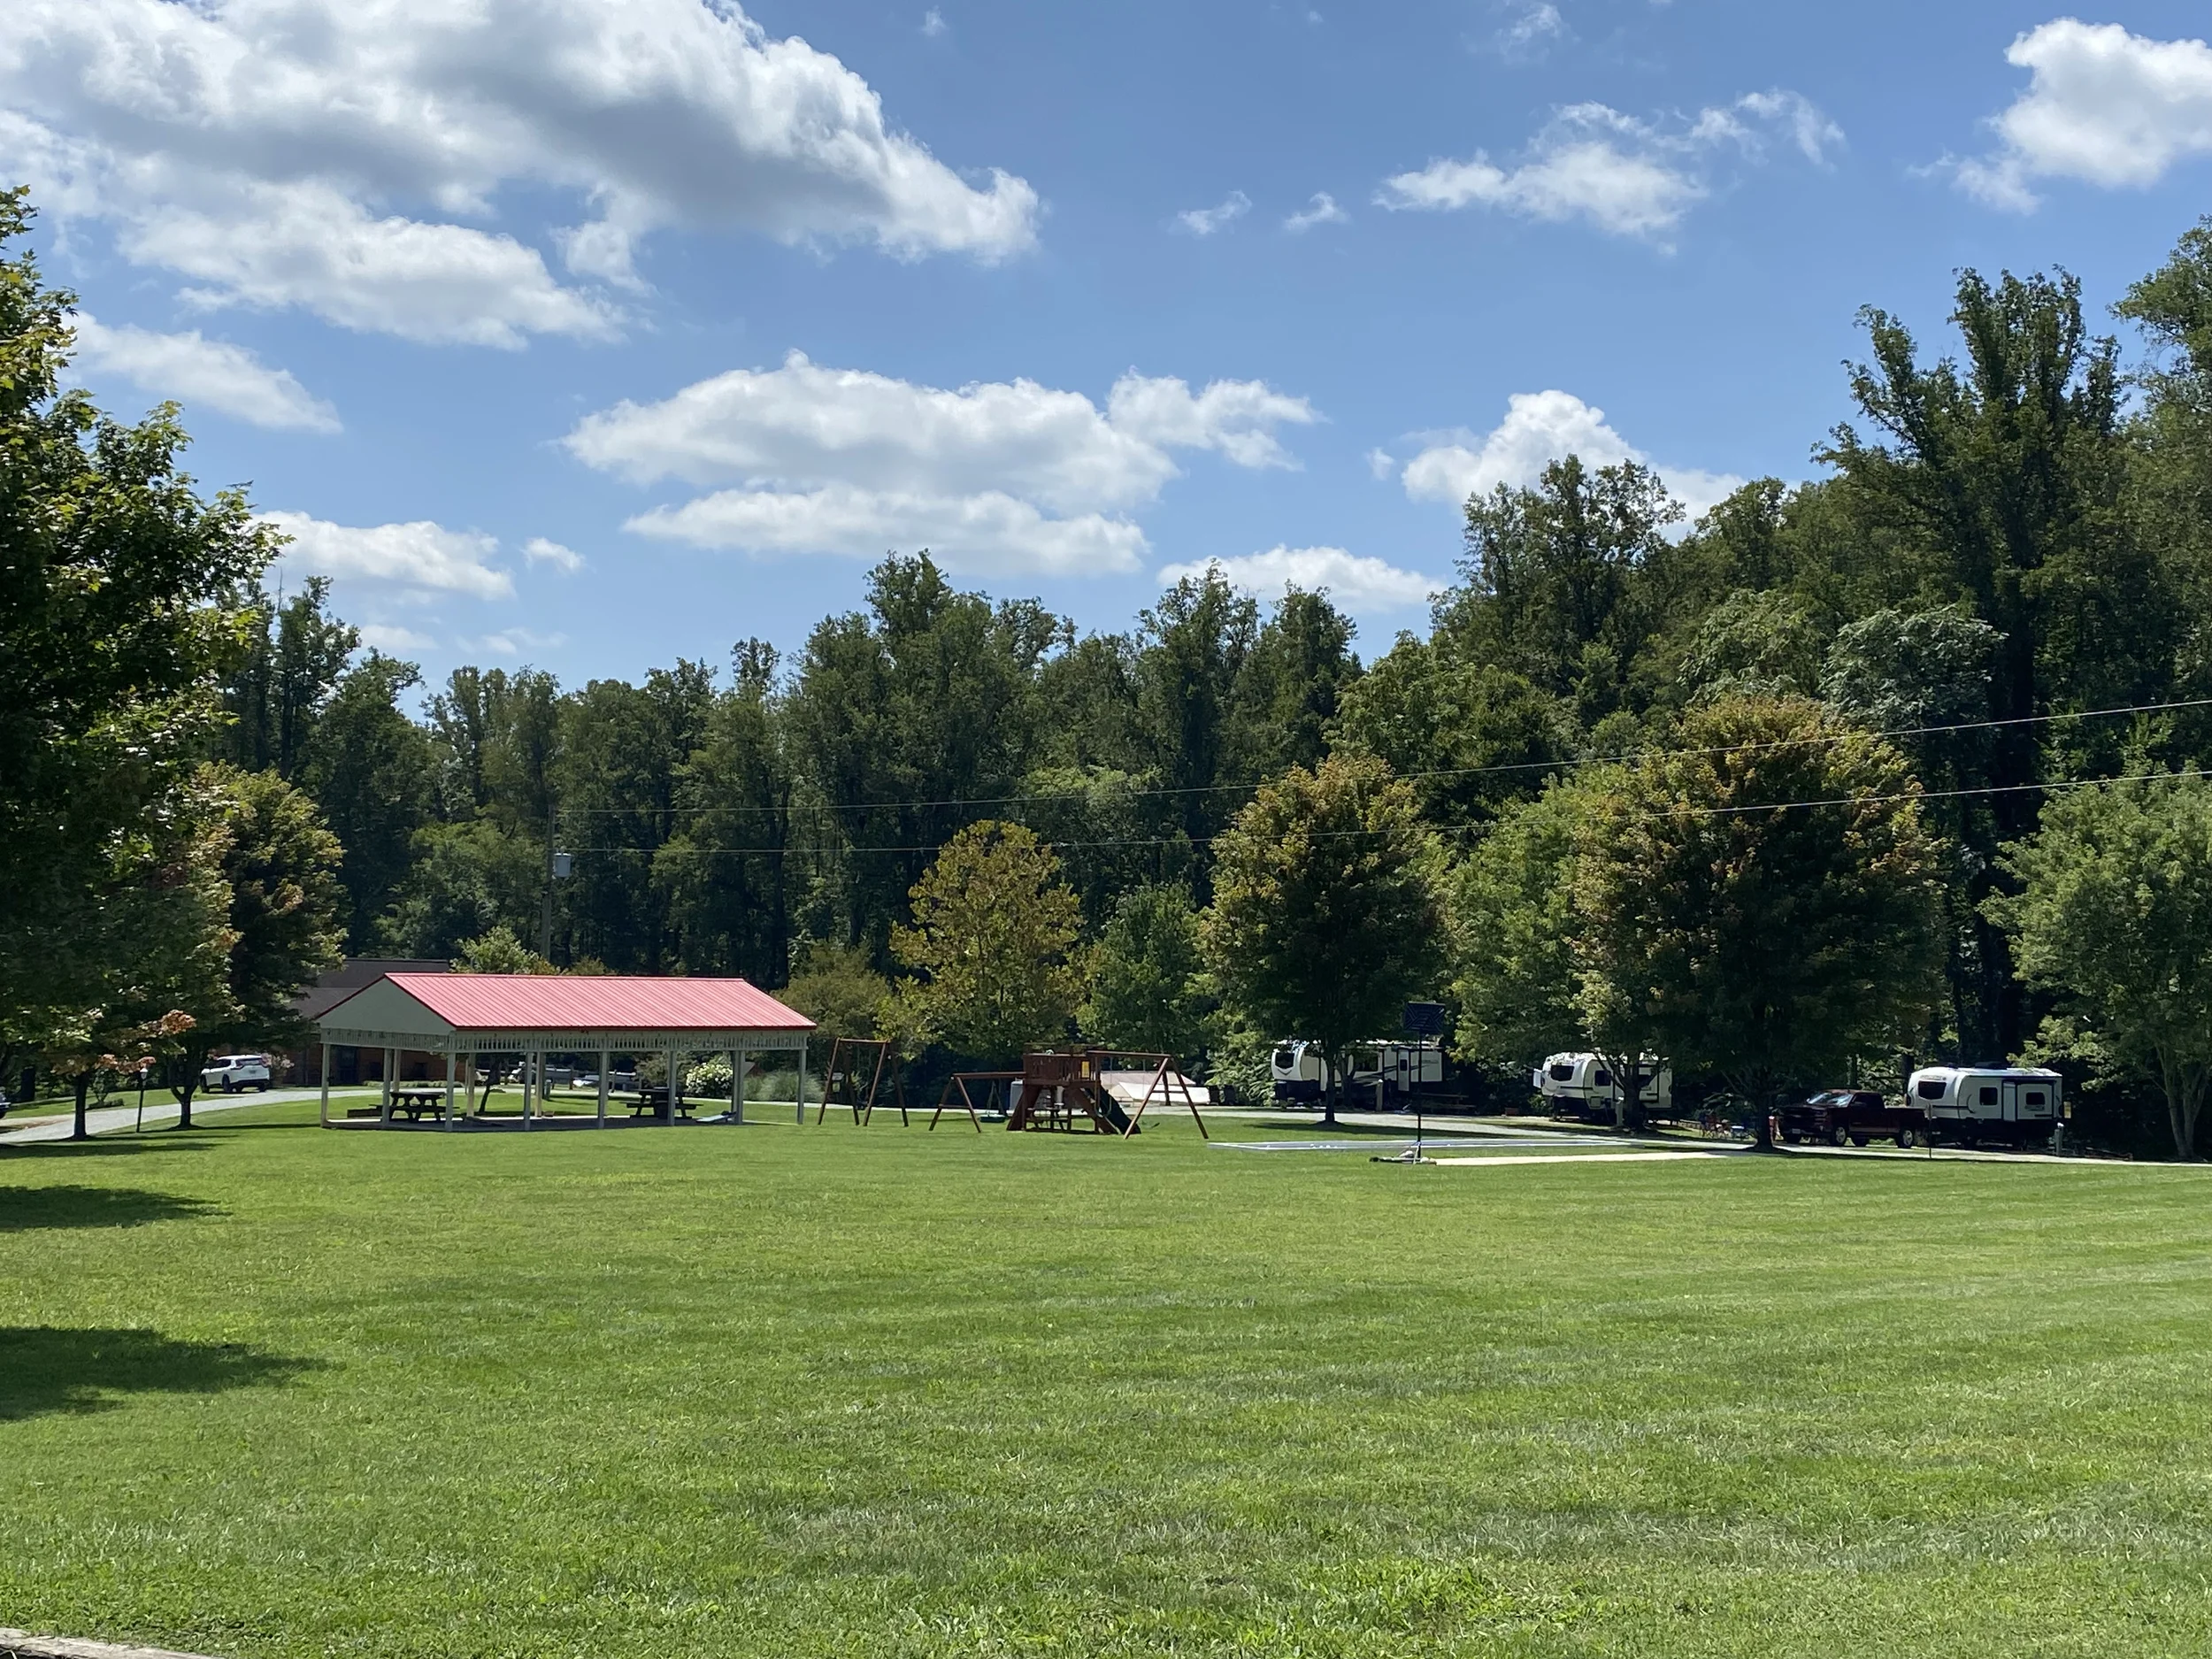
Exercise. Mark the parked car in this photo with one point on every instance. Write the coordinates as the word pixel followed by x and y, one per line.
pixel 231 1072
pixel 1852 1116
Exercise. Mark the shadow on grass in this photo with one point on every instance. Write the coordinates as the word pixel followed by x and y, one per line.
pixel 28 1208
pixel 105 1146
pixel 46 1367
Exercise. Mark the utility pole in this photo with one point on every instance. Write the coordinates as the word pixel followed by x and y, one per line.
pixel 557 865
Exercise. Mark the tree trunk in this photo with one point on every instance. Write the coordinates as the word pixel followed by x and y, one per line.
pixel 1329 1089
pixel 184 1093
pixel 83 1131
pixel 2184 1086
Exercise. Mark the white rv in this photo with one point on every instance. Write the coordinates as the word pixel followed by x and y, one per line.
pixel 1971 1104
pixel 1381 1072
pixel 1583 1085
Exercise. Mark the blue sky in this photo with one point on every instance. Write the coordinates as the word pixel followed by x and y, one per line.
pixel 494 305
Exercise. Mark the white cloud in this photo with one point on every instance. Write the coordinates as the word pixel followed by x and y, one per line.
pixel 324 153
pixel 1528 35
pixel 934 22
pixel 1381 462
pixel 1358 584
pixel 2102 105
pixel 989 532
pixel 1541 427
pixel 515 641
pixel 392 640
pixel 1321 210
pixel 1204 221
pixel 420 555
pixel 201 372
pixel 1626 176
pixel 998 475
pixel 539 550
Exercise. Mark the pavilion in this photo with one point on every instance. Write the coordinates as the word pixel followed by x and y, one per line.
pixel 460 1016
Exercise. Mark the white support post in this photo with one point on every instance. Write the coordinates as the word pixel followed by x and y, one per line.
pixel 451 1062
pixel 801 1090
pixel 675 1085
pixel 530 1076
pixel 384 1109
pixel 604 1058
pixel 326 1086
pixel 737 1086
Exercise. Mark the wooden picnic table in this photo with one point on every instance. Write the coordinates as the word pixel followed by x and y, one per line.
pixel 415 1103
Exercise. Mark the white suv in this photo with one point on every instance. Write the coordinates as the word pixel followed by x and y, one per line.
pixel 231 1072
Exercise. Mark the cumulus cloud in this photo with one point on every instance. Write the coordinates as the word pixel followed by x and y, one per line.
pixel 200 373
pixel 1358 583
pixel 2102 105
pixel 1321 210
pixel 1204 221
pixel 420 555
pixel 1539 428
pixel 328 154
pixel 539 550
pixel 1626 176
pixel 987 533
pixel 998 476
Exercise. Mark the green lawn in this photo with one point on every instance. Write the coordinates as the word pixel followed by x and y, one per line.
pixel 272 1390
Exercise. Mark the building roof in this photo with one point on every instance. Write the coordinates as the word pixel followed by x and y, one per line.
pixel 351 975
pixel 560 1010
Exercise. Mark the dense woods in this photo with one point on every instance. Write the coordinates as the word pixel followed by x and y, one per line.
pixel 1884 682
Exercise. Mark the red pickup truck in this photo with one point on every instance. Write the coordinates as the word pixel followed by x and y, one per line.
pixel 1852 1117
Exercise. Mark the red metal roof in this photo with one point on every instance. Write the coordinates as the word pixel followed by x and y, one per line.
pixel 549 1002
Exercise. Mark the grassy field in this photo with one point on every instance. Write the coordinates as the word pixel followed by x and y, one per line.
pixel 266 1390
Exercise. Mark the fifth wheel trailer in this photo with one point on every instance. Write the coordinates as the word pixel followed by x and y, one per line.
pixel 1965 1104
pixel 1582 1086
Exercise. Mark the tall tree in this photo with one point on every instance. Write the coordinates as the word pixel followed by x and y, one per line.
pixel 295 652
pixel 1552 579
pixel 119 611
pixel 2113 908
pixel 1149 987
pixel 2003 478
pixel 909 718
pixel 1513 910
pixel 994 939
pixel 282 905
pixel 1192 647
pixel 371 770
pixel 1292 684
pixel 1327 915
pixel 1759 901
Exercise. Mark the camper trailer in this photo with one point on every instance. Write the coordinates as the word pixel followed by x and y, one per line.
pixel 1582 1086
pixel 2015 1106
pixel 1382 1073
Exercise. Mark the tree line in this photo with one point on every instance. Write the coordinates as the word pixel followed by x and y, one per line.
pixel 1904 760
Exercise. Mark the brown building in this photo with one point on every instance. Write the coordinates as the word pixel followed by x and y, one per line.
pixel 354 1066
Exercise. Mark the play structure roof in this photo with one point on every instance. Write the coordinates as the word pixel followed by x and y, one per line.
pixel 495 1011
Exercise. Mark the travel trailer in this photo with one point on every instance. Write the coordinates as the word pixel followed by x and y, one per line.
pixel 1383 1073
pixel 1582 1086
pixel 2013 1105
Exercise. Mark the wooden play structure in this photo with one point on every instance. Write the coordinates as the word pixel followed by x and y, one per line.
pixel 849 1056
pixel 1107 1089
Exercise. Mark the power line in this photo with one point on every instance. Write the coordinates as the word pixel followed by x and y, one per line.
pixel 1208 841
pixel 1447 772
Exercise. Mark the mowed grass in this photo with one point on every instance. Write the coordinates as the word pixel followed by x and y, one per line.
pixel 764 1390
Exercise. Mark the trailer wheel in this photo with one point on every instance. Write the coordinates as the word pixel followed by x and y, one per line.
pixel 1791 1136
pixel 1859 1140
pixel 1904 1139
pixel 1840 1136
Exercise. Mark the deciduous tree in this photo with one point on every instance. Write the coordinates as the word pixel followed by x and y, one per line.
pixel 993 938
pixel 1760 900
pixel 1327 915
pixel 2113 908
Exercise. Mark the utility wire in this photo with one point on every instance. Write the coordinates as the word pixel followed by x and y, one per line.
pixel 1447 772
pixel 1208 841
